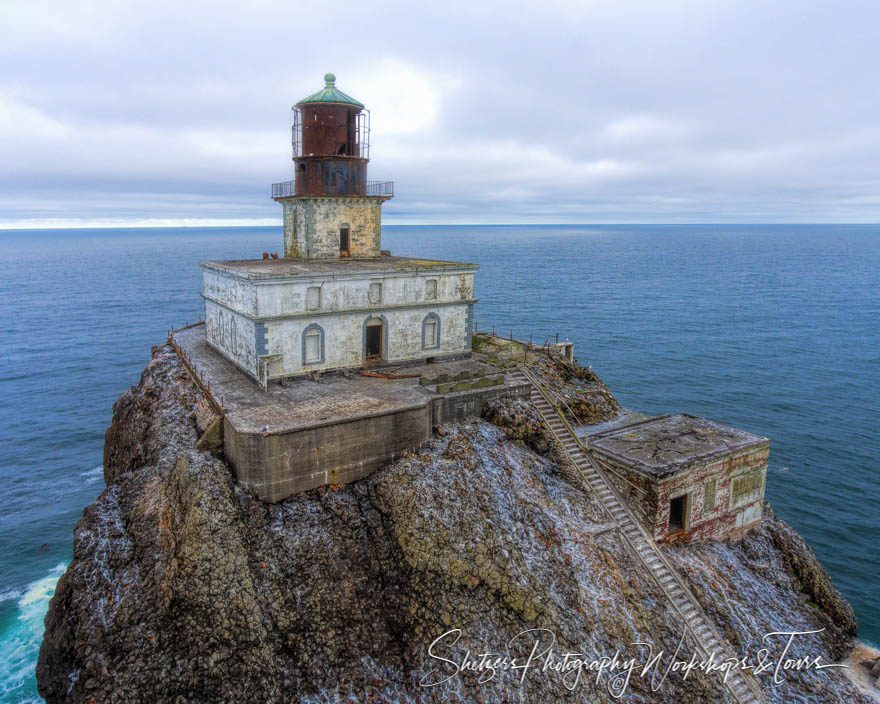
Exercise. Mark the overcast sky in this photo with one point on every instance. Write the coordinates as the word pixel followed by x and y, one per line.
pixel 482 112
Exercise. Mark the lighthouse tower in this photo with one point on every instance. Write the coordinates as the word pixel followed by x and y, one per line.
pixel 336 300
pixel 330 209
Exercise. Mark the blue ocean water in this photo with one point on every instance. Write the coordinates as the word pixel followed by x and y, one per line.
pixel 770 328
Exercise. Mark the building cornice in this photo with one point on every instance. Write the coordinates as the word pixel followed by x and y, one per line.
pixel 365 310
pixel 356 274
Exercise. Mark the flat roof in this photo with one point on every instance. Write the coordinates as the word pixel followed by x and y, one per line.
pixel 304 402
pixel 256 269
pixel 667 444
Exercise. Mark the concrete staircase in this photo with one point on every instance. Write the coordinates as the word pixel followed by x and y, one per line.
pixel 744 688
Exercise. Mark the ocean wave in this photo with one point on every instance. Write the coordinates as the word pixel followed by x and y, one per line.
pixel 10 594
pixel 20 640
pixel 93 475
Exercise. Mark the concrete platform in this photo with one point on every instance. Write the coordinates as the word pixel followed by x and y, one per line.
pixel 336 429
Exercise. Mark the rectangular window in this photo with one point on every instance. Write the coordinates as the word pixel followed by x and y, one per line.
pixel 375 294
pixel 313 298
pixel 431 289
pixel 313 347
pixel 746 488
pixel 431 333
pixel 708 495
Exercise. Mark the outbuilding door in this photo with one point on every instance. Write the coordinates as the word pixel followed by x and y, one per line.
pixel 677 514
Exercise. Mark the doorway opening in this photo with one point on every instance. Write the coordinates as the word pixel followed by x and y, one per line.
pixel 344 241
pixel 374 340
pixel 676 514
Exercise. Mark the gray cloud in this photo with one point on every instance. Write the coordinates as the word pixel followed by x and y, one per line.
pixel 482 112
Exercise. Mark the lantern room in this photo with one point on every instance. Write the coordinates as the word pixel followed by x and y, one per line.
pixel 331 143
pixel 331 211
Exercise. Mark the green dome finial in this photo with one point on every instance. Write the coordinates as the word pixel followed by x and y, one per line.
pixel 330 94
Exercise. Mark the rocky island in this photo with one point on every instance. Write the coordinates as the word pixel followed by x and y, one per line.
pixel 185 587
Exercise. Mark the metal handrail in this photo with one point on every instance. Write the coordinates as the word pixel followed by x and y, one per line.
pixel 195 375
pixel 286 189
pixel 283 189
pixel 380 188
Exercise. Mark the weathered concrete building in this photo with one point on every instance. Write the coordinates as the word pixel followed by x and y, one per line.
pixel 336 300
pixel 690 478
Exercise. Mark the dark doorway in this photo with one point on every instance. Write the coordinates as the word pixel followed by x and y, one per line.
pixel 374 340
pixel 344 241
pixel 676 514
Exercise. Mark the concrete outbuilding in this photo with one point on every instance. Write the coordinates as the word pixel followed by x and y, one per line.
pixel 690 478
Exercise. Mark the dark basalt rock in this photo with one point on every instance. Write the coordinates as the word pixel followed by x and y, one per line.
pixel 520 421
pixel 186 588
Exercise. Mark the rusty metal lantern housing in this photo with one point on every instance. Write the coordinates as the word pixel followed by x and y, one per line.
pixel 331 143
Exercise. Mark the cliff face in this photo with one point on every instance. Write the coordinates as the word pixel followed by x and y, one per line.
pixel 185 588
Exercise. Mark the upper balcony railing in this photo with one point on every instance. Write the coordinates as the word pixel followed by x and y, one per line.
pixel 284 189
pixel 287 189
pixel 380 188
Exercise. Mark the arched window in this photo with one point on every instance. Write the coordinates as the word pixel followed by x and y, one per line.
pixel 313 344
pixel 431 332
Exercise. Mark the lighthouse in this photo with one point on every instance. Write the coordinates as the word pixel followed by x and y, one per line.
pixel 336 301
pixel 330 208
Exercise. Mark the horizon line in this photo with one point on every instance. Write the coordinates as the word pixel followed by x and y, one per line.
pixel 231 223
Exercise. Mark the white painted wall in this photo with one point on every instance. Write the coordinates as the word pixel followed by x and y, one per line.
pixel 233 334
pixel 232 304
pixel 343 337
pixel 341 294
pixel 236 293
